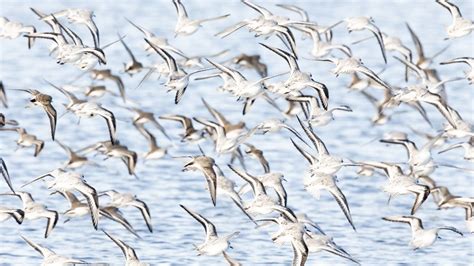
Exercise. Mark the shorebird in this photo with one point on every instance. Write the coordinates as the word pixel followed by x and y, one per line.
pixel 91 109
pixel 423 61
pixel 3 95
pixel 50 257
pixel 258 154
pixel 134 66
pixel 161 42
pixel 185 25
pixel 318 242
pixel 466 60
pixel 5 174
pixel 317 116
pixel 365 23
pixel 459 26
pixel 11 30
pixel 131 258
pixel 467 146
pixel 270 180
pixel 70 181
pixel 34 210
pixel 44 101
pixel 75 160
pixel 120 200
pixel 213 244
pixel 421 237
pixel 178 79
pixel 222 121
pixel 251 61
pixel 273 125
pixel 110 149
pixel 401 184
pixel 78 208
pixel 106 74
pixel 79 16
pixel 298 80
pixel 27 140
pixel 444 198
pixel 419 159
pixel 204 164
pixel 142 117
pixel 6 213
pixel 351 65
pixel 262 203
pixel 154 151
pixel 224 142
pixel 190 133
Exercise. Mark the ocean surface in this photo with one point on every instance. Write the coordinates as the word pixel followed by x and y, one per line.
pixel 163 185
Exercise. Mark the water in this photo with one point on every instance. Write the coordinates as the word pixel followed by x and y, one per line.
pixel 162 184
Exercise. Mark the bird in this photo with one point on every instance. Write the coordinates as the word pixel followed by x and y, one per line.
pixel 5 174
pixel 186 26
pixel 365 23
pixel 69 181
pixel 205 164
pixel 79 16
pixel 319 242
pixel 298 80
pixel 7 213
pixel 400 184
pixel 270 180
pixel 75 160
pixel 421 237
pixel 251 61
pixel 26 140
pixel 258 154
pixel 92 109
pixel 134 66
pixel 467 146
pixel 131 258
pixel 213 244
pixel 50 257
pixel 460 26
pixel 466 60
pixel 3 95
pixel 190 133
pixel 34 210
pixel 11 30
pixel 44 101
pixel 106 74
pixel 317 116
pixel 120 200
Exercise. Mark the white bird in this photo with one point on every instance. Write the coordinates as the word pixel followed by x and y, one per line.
pixel 34 210
pixel 466 60
pixel 317 116
pixel 467 146
pixel 7 213
pixel 298 80
pixel 120 200
pixel 365 23
pixel 79 16
pixel 204 164
pixel 318 242
pixel 401 184
pixel 50 257
pixel 69 181
pixel 213 244
pixel 26 140
pixel 185 25
pixel 131 258
pixel 459 26
pixel 270 180
pixel 11 30
pixel 420 237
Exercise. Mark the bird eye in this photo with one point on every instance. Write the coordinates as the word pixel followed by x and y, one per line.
pixel 33 100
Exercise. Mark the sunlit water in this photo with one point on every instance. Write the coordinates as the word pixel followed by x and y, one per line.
pixel 162 184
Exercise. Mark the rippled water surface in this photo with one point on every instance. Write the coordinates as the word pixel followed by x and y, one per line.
pixel 163 185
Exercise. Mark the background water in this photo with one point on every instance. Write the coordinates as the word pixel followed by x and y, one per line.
pixel 162 184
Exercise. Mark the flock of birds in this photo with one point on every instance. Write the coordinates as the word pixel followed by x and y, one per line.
pixel 262 198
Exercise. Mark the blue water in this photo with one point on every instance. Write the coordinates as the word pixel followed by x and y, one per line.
pixel 162 184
